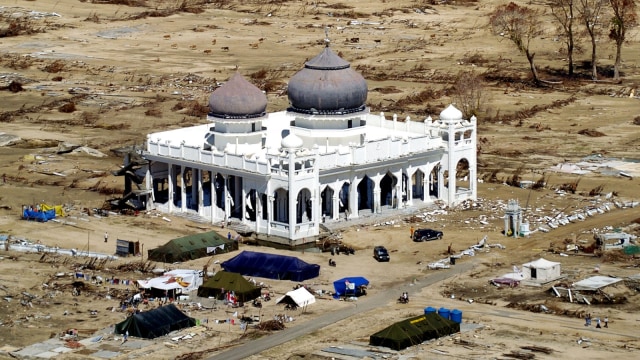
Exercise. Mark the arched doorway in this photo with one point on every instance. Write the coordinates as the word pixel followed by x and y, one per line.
pixel 265 206
pixel 365 194
pixel 326 206
pixel 434 182
pixel 343 198
pixel 463 178
pixel 250 205
pixel 281 205
pixel 234 186
pixel 387 186
pixel 219 188
pixel 303 206
pixel 417 185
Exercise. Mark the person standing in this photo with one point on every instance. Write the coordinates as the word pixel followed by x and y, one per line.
pixel 606 321
pixel 598 323
pixel 229 235
pixel 106 236
pixel 411 230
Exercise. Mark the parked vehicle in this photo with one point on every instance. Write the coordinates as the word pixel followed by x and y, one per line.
pixel 380 253
pixel 427 235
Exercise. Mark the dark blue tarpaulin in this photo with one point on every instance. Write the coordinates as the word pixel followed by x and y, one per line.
pixel 42 216
pixel 271 266
pixel 341 285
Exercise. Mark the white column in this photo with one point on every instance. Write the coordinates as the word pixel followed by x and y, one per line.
pixel 258 211
pixel 243 203
pixel 170 185
pixel 376 195
pixel 200 193
pixel 398 192
pixel 506 225
pixel 410 189
pixel 452 166
pixel 149 185
pixel 212 178
pixel 293 195
pixel 183 191
pixel 227 197
pixel 353 198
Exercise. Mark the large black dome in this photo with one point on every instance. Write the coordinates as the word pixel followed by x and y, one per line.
pixel 327 85
pixel 237 99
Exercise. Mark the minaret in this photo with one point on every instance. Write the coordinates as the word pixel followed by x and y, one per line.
pixel 449 118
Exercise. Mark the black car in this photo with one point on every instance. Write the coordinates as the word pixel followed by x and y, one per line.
pixel 380 253
pixel 427 234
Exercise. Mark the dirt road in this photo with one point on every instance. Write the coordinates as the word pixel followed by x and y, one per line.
pixel 363 305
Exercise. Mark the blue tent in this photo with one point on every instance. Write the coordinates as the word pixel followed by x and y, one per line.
pixel 271 266
pixel 341 285
pixel 42 216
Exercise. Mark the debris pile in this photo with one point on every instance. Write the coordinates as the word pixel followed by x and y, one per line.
pixel 270 325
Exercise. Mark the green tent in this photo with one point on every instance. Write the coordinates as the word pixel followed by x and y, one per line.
pixel 154 323
pixel 414 331
pixel 224 281
pixel 192 247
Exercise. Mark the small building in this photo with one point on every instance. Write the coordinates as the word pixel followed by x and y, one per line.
pixel 536 272
pixel 125 248
pixel 541 271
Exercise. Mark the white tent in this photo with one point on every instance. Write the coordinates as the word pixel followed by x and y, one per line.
pixel 183 280
pixel 541 270
pixel 301 297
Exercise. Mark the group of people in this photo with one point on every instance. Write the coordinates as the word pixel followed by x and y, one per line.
pixel 404 298
pixel 597 320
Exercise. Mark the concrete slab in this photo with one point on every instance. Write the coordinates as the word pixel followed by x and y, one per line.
pixel 35 349
pixel 91 341
pixel 47 355
pixel 464 327
pixel 53 341
pixel 106 354
pixel 62 350
pixel 136 344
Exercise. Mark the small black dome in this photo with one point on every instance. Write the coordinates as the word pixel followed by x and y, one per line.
pixel 237 99
pixel 327 85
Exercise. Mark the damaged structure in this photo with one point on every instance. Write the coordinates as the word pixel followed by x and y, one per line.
pixel 590 291
pixel 326 158
pixel 534 273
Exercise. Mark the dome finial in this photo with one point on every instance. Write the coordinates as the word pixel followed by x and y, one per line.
pixel 326 36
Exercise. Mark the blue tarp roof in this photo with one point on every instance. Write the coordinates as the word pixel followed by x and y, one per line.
pixel 271 266
pixel 341 285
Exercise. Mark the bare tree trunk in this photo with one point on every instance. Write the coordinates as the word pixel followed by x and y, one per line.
pixel 594 65
pixel 570 51
pixel 616 66
pixel 534 72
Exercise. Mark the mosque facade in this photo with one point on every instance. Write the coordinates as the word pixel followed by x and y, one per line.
pixel 326 158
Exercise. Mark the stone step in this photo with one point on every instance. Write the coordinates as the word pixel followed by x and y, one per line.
pixel 192 216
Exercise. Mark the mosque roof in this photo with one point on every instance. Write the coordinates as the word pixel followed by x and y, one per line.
pixel 237 99
pixel 327 85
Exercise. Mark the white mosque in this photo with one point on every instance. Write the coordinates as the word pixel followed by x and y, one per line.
pixel 326 158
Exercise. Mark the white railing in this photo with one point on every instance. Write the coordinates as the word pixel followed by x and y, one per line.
pixel 372 151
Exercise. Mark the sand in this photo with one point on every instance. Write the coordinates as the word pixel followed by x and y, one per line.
pixel 172 63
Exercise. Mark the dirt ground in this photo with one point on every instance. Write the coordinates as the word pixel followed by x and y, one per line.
pixel 132 70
